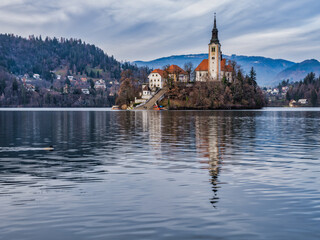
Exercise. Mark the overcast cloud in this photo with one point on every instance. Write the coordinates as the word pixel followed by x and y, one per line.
pixel 148 29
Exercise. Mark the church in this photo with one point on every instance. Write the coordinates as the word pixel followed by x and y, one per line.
pixel 215 67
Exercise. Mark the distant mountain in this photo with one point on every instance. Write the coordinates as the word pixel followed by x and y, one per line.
pixel 299 71
pixel 179 60
pixel 266 68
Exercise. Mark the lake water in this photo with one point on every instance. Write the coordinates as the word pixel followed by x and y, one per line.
pixel 159 175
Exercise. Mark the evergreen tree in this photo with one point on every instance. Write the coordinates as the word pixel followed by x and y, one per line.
pixel 2 86
pixel 15 85
pixel 314 97
pixel 253 77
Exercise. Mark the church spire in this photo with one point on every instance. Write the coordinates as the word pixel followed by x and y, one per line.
pixel 214 38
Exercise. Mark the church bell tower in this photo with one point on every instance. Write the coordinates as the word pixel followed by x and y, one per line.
pixel 215 53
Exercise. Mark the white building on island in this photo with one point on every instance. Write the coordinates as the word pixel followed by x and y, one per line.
pixel 156 79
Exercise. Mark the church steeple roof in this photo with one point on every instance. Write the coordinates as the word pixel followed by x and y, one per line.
pixel 214 38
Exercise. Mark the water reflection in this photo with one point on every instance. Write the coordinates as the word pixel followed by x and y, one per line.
pixel 145 174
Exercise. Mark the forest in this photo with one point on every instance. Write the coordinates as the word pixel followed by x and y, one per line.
pixel 308 88
pixel 54 60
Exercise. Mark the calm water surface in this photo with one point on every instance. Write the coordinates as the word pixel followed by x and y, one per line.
pixel 160 175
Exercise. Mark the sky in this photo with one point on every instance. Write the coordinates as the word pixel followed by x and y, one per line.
pixel 148 29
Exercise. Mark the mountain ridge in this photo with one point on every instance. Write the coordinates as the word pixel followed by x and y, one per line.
pixel 299 70
pixel 269 71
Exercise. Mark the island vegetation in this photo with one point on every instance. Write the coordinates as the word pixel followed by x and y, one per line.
pixel 240 93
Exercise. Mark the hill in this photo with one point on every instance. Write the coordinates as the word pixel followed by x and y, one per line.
pixel 299 71
pixel 38 72
pixel 34 55
pixel 266 68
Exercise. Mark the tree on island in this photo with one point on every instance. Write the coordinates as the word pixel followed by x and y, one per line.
pixel 188 67
pixel 127 91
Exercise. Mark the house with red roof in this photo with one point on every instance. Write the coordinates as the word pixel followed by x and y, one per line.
pixel 156 79
pixel 177 74
pixel 215 67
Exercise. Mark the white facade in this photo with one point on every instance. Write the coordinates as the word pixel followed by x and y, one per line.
pixel 201 76
pixel 214 61
pixel 100 84
pixel 85 91
pixel 183 78
pixel 36 76
pixel 156 80
pixel 228 75
pixel 146 93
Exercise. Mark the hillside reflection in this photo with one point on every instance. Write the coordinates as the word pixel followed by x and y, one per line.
pixel 86 142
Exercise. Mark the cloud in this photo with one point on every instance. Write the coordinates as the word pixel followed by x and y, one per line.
pixel 146 29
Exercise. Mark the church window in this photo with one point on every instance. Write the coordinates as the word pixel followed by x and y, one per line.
pixel 212 58
pixel 213 49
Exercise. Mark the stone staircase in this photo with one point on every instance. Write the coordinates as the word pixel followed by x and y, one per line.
pixel 148 105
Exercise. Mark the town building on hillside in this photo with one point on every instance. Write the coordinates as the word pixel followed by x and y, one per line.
pixel 30 87
pixel 85 91
pixel 100 84
pixel 215 67
pixel 36 76
pixel 303 101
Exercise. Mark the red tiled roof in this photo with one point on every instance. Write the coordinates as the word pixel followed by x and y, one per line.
pixel 161 72
pixel 203 66
pixel 176 69
pixel 226 67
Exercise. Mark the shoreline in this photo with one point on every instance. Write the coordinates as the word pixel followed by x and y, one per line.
pixel 108 109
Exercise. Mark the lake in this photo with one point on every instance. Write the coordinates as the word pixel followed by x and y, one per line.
pixel 159 174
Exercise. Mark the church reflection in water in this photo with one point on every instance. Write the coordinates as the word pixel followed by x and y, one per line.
pixel 211 147
pixel 206 134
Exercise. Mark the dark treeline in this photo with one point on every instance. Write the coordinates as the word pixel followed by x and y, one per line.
pixel 37 55
pixel 20 56
pixel 309 88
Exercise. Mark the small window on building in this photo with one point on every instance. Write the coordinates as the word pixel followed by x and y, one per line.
pixel 200 74
pixel 212 58
pixel 213 49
